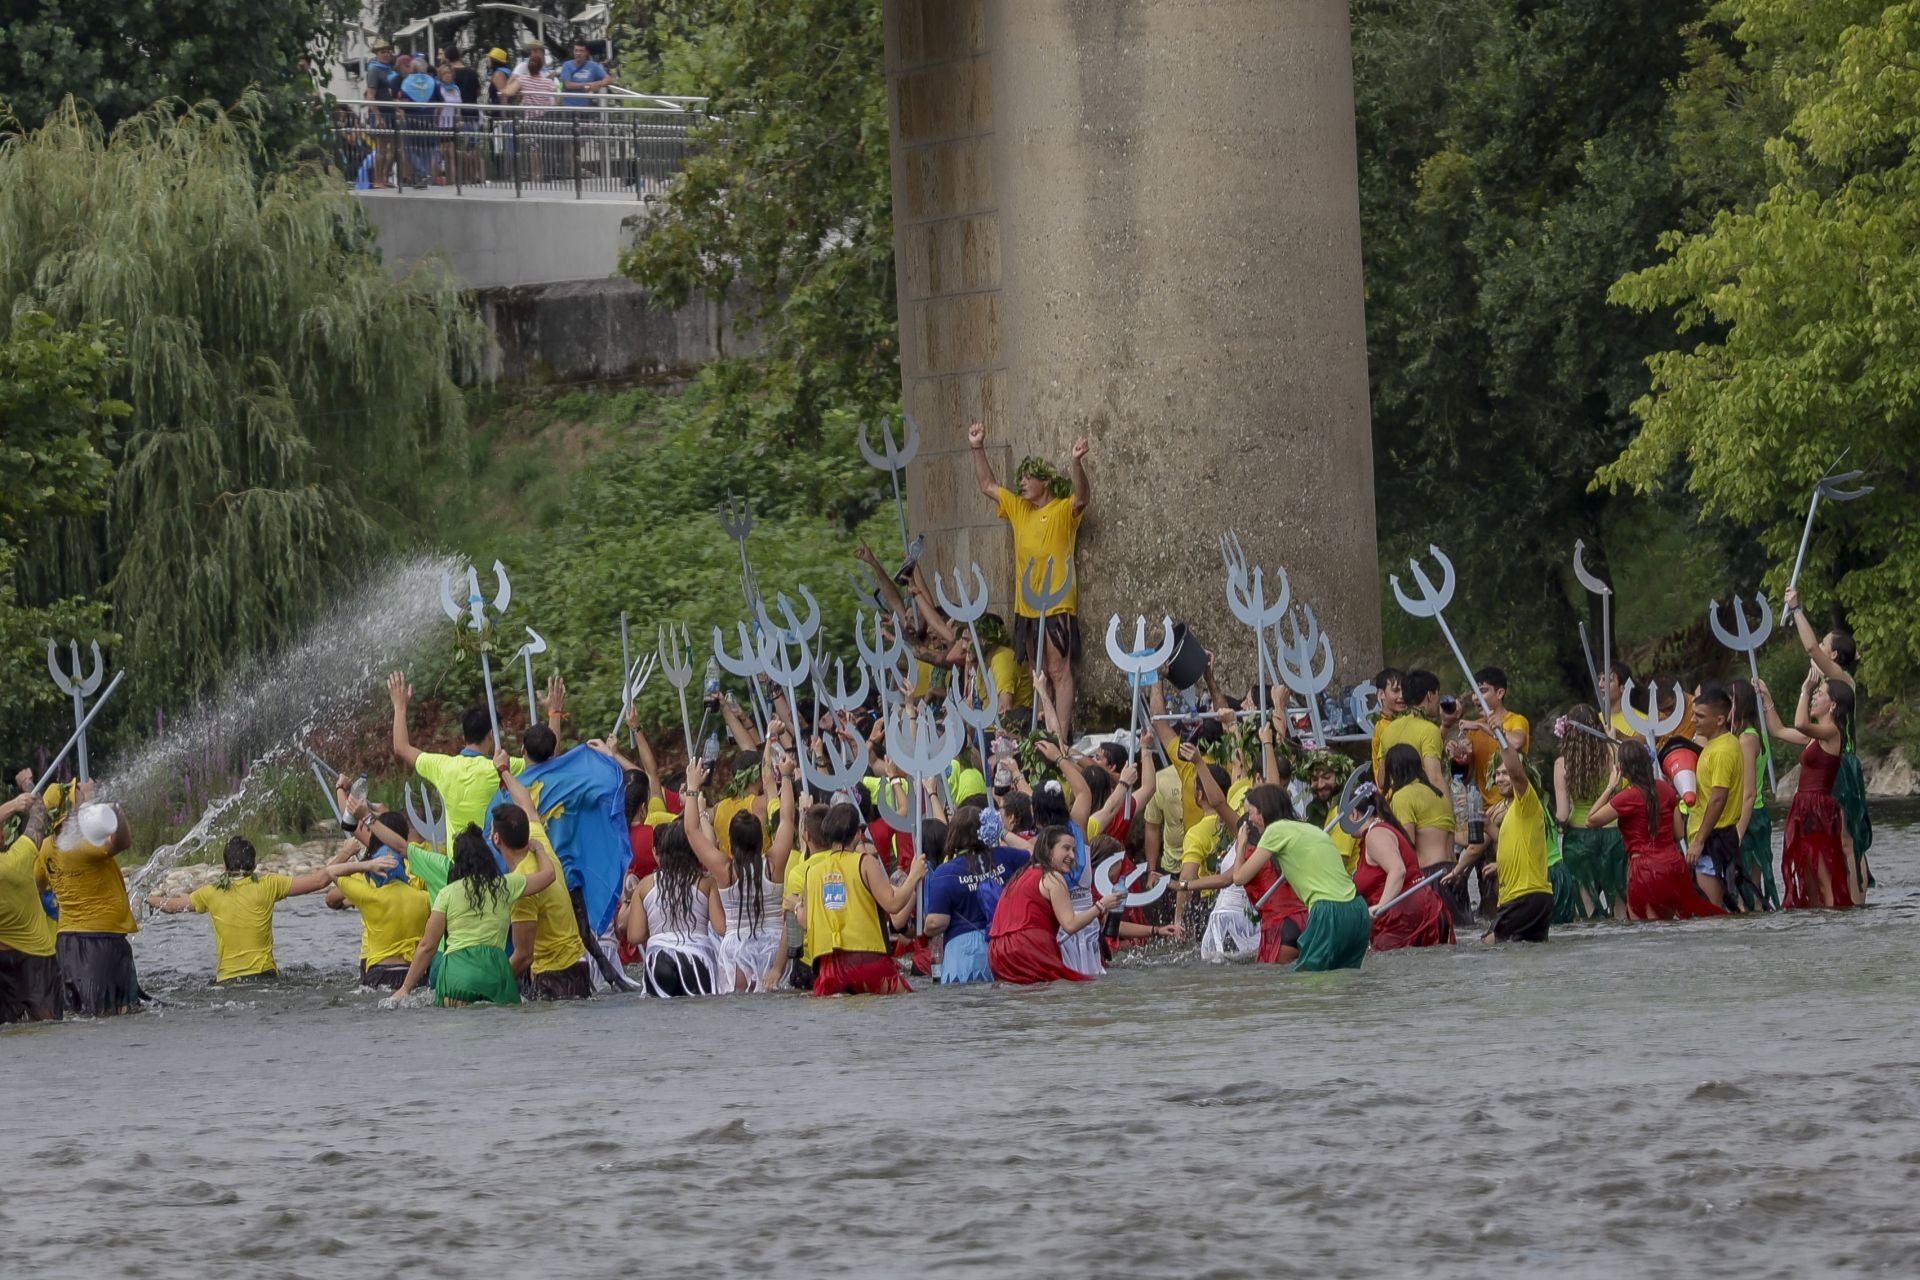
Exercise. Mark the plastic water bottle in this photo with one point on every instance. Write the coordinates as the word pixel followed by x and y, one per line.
pixel 1476 816
pixel 711 750
pixel 358 792
pixel 710 690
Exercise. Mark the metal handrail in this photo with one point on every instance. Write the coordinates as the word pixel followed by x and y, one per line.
pixel 435 104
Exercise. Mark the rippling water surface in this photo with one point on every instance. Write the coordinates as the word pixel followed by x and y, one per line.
pixel 1736 1098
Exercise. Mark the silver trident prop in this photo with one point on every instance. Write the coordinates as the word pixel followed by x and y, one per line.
pixel 1363 703
pixel 476 611
pixel 789 675
pixel 431 826
pixel 1593 676
pixel 963 608
pixel 81 728
pixel 1136 663
pixel 626 685
pixel 1040 600
pixel 1246 597
pixel 1432 876
pixel 746 666
pixel 631 686
pixel 536 643
pixel 845 768
pixel 1747 640
pixel 917 750
pixel 1605 592
pixel 676 660
pixel 736 517
pixel 79 688
pixel 1649 724
pixel 1828 487
pixel 324 774
pixel 1342 818
pixel 1295 660
pixel 1104 883
pixel 883 655
pixel 840 700
pixel 893 461
pixel 796 631
pixel 1433 600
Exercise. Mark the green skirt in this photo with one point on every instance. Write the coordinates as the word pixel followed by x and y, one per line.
pixel 1596 857
pixel 476 975
pixel 1567 906
pixel 1756 855
pixel 1850 793
pixel 1336 935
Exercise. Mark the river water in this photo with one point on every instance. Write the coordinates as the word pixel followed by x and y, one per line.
pixel 1735 1098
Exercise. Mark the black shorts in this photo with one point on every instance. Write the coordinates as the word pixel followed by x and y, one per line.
pixel 1290 932
pixel 570 983
pixel 97 969
pixel 1063 633
pixel 1525 919
pixel 386 976
pixel 29 987
pixel 1720 857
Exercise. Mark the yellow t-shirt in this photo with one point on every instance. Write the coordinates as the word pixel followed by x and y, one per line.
pixel 1009 676
pixel 1168 808
pixel 88 886
pixel 794 883
pixel 24 926
pixel 392 916
pixel 1522 851
pixel 467 784
pixel 1486 749
pixel 1416 731
pixel 242 918
pixel 1419 807
pixel 556 934
pixel 1200 841
pixel 1721 765
pixel 723 814
pixel 1349 847
pixel 1041 532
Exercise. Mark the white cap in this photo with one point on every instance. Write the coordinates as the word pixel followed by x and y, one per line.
pixel 98 822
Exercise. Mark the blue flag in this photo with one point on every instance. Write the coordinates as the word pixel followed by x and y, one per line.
pixel 582 796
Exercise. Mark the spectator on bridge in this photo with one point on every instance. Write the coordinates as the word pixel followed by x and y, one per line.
pixel 421 92
pixel 468 82
pixel 1045 515
pixel 583 80
pixel 499 74
pixel 532 85
pixel 383 86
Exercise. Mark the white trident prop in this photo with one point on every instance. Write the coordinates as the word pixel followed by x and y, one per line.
pixel 1136 663
pixel 789 674
pixel 1605 592
pixel 79 688
pixel 893 459
pixel 920 751
pixel 1828 487
pixel 1296 662
pixel 675 649
pixel 536 643
pixel 1433 600
pixel 431 826
pixel 476 611
pixel 736 518
pixel 746 666
pixel 1650 724
pixel 80 729
pixel 1246 597
pixel 1104 883
pixel 1041 599
pixel 1747 640
pixel 967 610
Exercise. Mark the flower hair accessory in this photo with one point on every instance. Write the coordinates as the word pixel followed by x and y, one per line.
pixel 992 827
pixel 1560 727
pixel 1053 787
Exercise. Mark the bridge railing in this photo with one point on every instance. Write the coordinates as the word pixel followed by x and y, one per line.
pixel 599 152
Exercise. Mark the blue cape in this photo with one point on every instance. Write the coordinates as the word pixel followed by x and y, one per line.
pixel 582 797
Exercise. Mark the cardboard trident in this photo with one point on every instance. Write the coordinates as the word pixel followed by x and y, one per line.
pixel 1828 487
pixel 80 729
pixel 675 649
pixel 631 687
pixel 967 610
pixel 736 517
pixel 1649 724
pixel 431 826
pixel 789 673
pixel 893 459
pixel 1104 883
pixel 1246 597
pixel 920 751
pixel 1296 662
pixel 1431 604
pixel 79 688
pixel 324 774
pixel 476 611
pixel 1040 600
pixel 1747 640
pixel 1605 592
pixel 797 630
pixel 1137 662
pixel 536 643
pixel 883 655
pixel 746 666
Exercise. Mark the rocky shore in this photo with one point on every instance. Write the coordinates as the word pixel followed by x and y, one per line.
pixel 282 860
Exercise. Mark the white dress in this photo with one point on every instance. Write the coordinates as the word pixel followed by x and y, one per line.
pixel 1231 932
pixel 1081 951
pixel 688 942
pixel 749 945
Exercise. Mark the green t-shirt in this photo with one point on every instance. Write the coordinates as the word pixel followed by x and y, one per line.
pixel 428 868
pixel 467 784
pixel 474 924
pixel 1759 772
pixel 1309 860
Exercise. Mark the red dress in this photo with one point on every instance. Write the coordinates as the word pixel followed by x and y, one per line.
pixel 1812 841
pixel 1659 883
pixel 1023 945
pixel 1275 911
pixel 1421 920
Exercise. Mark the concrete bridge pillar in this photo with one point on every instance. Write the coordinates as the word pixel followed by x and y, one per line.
pixel 1139 219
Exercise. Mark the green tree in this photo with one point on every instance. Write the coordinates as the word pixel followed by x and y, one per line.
pixel 281 380
pixel 1807 335
pixel 122 56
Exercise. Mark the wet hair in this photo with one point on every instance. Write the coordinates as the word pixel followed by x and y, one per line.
pixel 1388 676
pixel 840 827
pixel 815 827
pixel 1746 704
pixel 1636 769
pixel 963 839
pixel 1401 767
pixel 1272 803
pixel 933 835
pixel 1100 784
pixel 1492 676
pixel 1375 806
pixel 239 857
pixel 748 837
pixel 1043 845
pixel 678 874
pixel 1586 756
pixel 510 826
pixel 475 725
pixel 1842 694
pixel 1846 654
pixel 639 791
pixel 539 743
pixel 393 822
pixel 1017 808
pixel 1417 686
pixel 1113 756
pixel 1050 807
pixel 473 861
pixel 1716 696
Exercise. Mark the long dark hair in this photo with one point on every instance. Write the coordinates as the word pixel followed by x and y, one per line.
pixel 1402 768
pixel 1746 705
pixel 749 864
pixel 963 839
pixel 1375 806
pixel 1050 808
pixel 1636 767
pixel 1272 803
pixel 1842 694
pixel 678 876
pixel 474 861
pixel 1043 846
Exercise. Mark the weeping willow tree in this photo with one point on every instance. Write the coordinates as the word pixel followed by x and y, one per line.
pixel 281 380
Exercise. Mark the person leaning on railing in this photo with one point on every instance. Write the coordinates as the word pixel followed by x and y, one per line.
pixel 532 84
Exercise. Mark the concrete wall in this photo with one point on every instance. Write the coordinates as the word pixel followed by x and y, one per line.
pixel 585 330
pixel 492 239
pixel 1139 219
